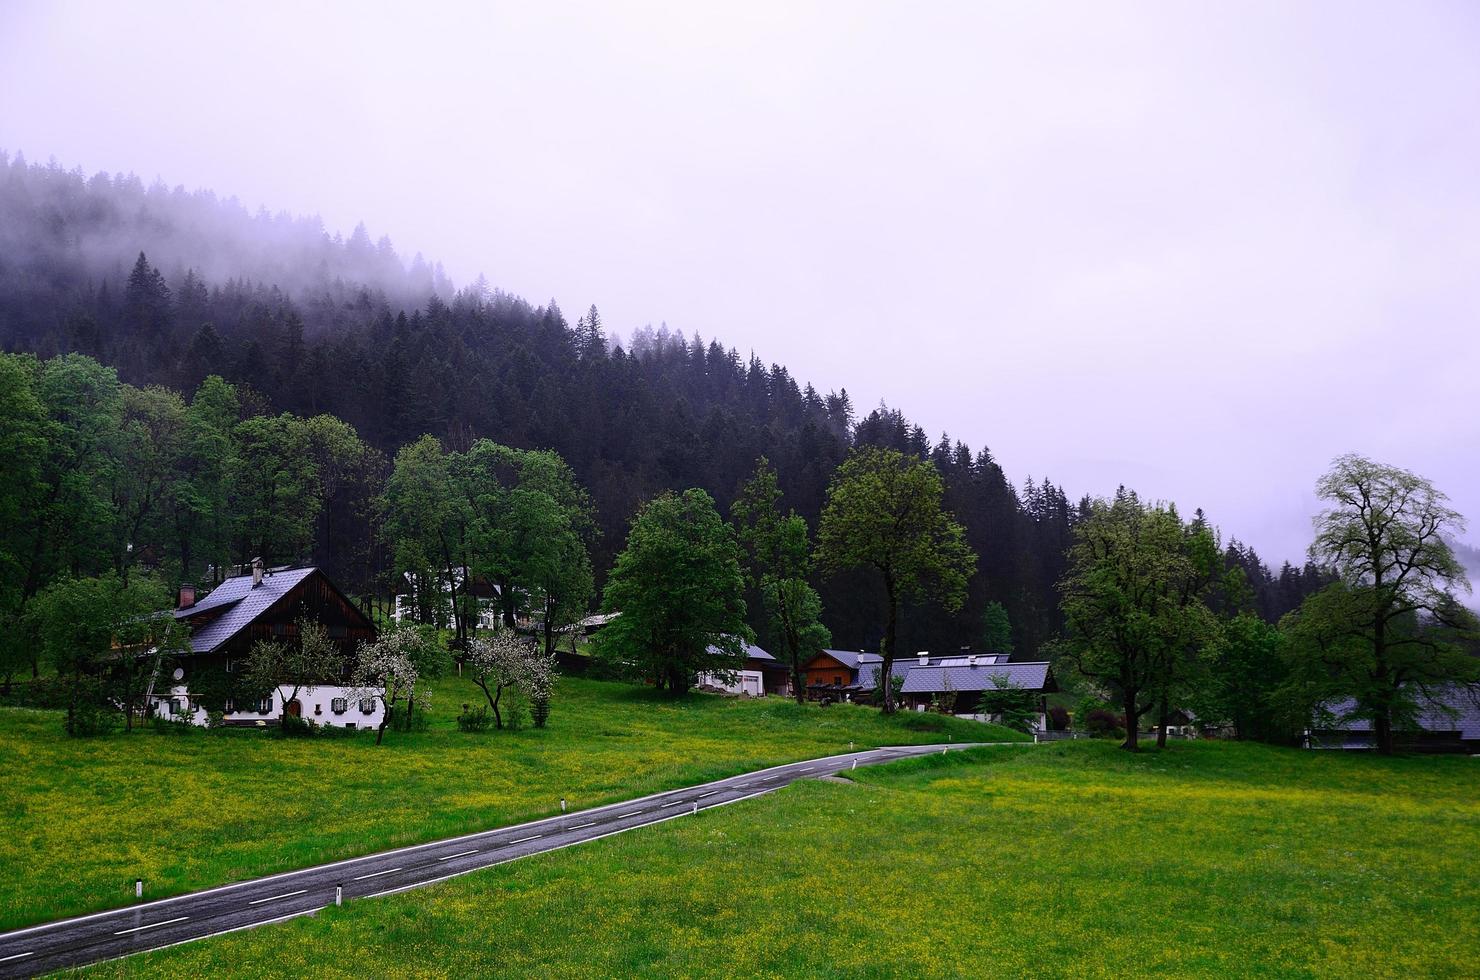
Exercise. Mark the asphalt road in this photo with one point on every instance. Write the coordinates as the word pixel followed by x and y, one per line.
pixel 171 921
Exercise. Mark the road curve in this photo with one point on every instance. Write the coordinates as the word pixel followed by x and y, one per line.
pixel 171 921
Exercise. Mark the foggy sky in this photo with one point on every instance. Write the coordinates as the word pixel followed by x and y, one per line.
pixel 1195 248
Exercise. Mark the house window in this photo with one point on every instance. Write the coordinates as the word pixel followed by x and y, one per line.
pixel 367 706
pixel 230 665
pixel 838 679
pixel 264 707
pixel 175 707
pixel 230 706
pixel 339 705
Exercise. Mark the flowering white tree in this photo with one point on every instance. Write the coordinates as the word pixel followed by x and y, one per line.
pixel 503 661
pixel 386 672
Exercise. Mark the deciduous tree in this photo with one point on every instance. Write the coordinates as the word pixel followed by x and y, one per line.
pixel 885 512
pixel 680 592
pixel 1390 634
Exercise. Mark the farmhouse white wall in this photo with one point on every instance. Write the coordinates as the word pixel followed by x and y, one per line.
pixel 318 707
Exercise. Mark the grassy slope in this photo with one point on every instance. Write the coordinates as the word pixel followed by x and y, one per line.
pixel 82 818
pixel 1209 859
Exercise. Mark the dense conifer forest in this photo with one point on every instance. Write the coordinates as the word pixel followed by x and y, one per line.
pixel 170 287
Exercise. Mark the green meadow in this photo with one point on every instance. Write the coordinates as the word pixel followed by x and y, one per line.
pixel 84 817
pixel 1208 859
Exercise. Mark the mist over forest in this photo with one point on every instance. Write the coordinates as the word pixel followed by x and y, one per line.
pixel 169 287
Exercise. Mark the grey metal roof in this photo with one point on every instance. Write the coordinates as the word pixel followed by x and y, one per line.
pixel 1463 702
pixel 242 605
pixel 846 658
pixel 932 680
pixel 752 652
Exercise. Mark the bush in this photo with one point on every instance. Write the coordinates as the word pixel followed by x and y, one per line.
pixel 476 720
pixel 540 711
pixel 515 710
pixel 295 727
pixel 165 725
pixel 215 719
pixel 93 712
pixel 1104 723
pixel 1058 718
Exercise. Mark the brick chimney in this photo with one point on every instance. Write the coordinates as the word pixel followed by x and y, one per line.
pixel 187 596
pixel 256 572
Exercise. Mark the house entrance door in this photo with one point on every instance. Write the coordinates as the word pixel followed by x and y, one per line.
pixel 295 708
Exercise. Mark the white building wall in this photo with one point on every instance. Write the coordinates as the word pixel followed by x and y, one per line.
pixel 748 682
pixel 318 707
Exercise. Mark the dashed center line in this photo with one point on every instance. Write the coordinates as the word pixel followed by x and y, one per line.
pixel 667 805
pixel 632 813
pixel 274 898
pixel 16 956
pixel 523 839
pixel 152 925
pixel 459 854
pixel 376 874
pixel 588 823
pixel 710 793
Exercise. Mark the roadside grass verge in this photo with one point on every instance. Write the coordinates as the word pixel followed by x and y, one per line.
pixel 1210 859
pixel 84 817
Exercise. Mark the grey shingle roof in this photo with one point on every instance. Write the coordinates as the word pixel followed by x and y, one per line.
pixel 242 605
pixel 931 680
pixel 844 657
pixel 1464 702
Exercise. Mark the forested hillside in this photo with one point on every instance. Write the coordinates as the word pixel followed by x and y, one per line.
pixel 171 287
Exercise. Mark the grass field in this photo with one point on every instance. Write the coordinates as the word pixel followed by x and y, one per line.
pixel 83 817
pixel 1208 859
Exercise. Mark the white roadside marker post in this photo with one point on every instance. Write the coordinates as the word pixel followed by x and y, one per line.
pixel 338 894
pixel 138 888
pixel 855 763
pixel 696 808
pixel 562 804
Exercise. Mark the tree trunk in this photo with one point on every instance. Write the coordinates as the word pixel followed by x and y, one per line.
pixel 891 631
pixel 1161 727
pixel 1131 743
pixel 1382 730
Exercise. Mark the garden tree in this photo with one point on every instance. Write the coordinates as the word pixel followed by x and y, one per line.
pixel 996 629
pixel 428 522
pixel 197 503
pixel 777 549
pixel 678 587
pixel 1390 633
pixel 1134 602
pixel 884 512
pixel 271 485
pixel 104 641
pixel 147 454
pixel 503 661
pixel 1245 672
pixel 386 671
pixel 554 567
pixel 1015 707
pixel 301 663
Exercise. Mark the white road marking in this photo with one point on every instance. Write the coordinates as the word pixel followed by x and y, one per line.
pixel 16 956
pixel 523 839
pixel 589 823
pixel 459 855
pixel 710 793
pixel 152 925
pixel 632 813
pixel 376 874
pixel 274 898
pixel 667 805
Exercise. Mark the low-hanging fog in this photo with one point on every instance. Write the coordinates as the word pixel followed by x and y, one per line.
pixel 1194 249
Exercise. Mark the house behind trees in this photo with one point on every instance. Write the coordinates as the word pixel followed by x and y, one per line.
pixel 263 604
